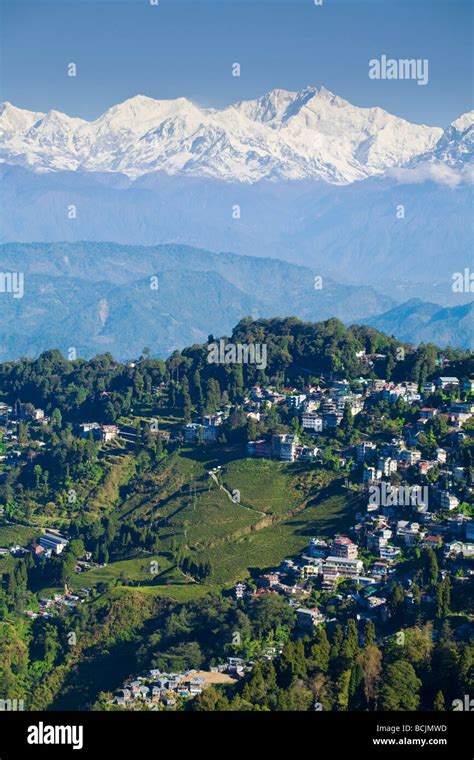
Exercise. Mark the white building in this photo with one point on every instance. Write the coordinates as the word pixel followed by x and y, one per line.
pixel 54 542
pixel 345 567
pixel 387 465
pixel 409 532
pixel 312 421
pixel 296 401
pixel 448 500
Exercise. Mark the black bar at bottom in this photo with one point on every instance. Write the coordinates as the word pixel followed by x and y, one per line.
pixel 117 734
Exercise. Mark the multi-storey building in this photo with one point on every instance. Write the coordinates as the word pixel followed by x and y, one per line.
pixel 342 546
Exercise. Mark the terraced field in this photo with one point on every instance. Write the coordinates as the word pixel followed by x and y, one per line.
pixel 184 592
pixel 268 547
pixel 264 485
pixel 187 500
pixel 139 569
pixel 191 509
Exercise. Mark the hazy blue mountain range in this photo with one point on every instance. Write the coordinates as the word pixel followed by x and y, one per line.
pixel 98 297
pixel 351 233
pixel 418 321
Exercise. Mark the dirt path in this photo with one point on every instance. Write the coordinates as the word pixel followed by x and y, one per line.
pixel 223 488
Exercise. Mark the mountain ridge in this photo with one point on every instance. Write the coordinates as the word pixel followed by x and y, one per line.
pixel 350 232
pixel 89 295
pixel 417 321
pixel 98 296
pixel 312 133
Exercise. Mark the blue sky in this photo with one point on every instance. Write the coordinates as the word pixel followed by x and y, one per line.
pixel 181 48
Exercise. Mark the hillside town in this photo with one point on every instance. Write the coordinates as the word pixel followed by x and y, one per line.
pixel 405 508
pixel 350 573
pixel 174 475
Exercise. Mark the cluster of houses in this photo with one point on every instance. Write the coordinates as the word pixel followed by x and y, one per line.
pixel 11 449
pixel 454 535
pixel 51 543
pixel 22 412
pixel 322 409
pixel 328 562
pixel 10 416
pixel 158 690
pixel 318 409
pixel 379 461
pixel 14 450
pixel 50 606
pixel 380 534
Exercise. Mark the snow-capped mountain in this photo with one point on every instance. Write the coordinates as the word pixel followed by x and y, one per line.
pixel 312 134
pixel 455 148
